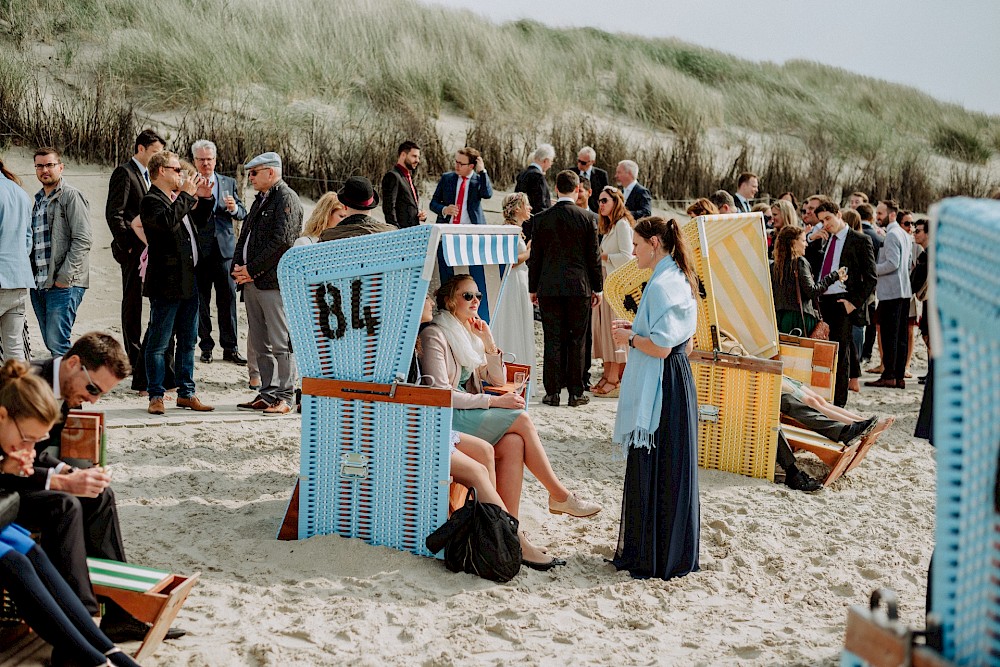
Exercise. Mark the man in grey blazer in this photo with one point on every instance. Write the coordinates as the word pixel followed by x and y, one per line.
pixel 60 253
pixel 216 242
pixel 893 292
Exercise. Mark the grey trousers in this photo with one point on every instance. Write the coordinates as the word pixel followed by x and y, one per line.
pixel 271 343
pixel 12 305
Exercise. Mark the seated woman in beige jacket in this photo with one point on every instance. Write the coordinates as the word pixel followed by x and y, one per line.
pixel 457 351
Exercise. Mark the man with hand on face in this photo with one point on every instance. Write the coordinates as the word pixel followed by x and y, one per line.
pixel 171 227
pixel 216 243
pixel 400 199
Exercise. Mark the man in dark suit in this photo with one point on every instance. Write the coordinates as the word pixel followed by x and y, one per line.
pixel 271 227
pixel 843 304
pixel 532 181
pixel 638 200
pixel 400 199
pixel 171 227
pixel 216 241
pixel 747 185
pixel 565 280
pixel 74 509
pixel 585 169
pixel 129 183
pixel 867 213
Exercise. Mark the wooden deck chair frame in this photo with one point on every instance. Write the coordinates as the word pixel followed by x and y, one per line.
pixel 835 455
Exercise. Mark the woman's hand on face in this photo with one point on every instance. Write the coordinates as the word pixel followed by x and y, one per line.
pixel 510 400
pixel 482 329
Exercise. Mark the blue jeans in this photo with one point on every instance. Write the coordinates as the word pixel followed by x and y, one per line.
pixel 55 308
pixel 180 317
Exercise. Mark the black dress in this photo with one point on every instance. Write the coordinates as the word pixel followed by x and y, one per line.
pixel 661 517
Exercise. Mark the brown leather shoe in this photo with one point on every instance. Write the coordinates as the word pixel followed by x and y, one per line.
pixel 258 403
pixel 279 408
pixel 194 403
pixel 155 406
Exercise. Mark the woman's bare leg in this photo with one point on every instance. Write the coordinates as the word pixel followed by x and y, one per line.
pixel 509 458
pixel 614 373
pixel 535 458
pixel 820 404
pixel 481 451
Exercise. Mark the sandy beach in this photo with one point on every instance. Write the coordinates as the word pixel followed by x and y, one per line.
pixel 779 568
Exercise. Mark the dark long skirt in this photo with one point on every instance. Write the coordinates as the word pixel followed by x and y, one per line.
pixel 661 517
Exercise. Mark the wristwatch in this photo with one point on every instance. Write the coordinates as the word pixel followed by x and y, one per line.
pixel 631 340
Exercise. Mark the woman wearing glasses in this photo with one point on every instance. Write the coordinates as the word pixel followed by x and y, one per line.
pixel 458 352
pixel 27 412
pixel 615 226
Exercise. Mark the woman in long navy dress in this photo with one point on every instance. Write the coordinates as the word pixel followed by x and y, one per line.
pixel 656 423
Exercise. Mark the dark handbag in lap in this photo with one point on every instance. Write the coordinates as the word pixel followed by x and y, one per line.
pixel 481 539
pixel 10 502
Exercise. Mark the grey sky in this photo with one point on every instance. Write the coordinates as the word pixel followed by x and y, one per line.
pixel 948 48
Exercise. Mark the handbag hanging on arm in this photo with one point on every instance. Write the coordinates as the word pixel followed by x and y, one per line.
pixel 822 330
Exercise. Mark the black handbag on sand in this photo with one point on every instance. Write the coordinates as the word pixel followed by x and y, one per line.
pixel 481 539
pixel 10 502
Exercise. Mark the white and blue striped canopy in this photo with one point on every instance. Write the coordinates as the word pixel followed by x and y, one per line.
pixel 479 245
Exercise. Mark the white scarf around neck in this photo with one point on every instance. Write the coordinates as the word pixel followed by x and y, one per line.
pixel 469 350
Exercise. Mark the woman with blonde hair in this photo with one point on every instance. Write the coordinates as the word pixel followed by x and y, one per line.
pixel 702 206
pixel 328 212
pixel 783 213
pixel 27 411
pixel 615 226
pixel 513 321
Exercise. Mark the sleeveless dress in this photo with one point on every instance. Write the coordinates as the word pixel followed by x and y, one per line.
pixel 513 322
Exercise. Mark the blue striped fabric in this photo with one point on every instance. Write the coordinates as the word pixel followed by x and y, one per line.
pixel 479 249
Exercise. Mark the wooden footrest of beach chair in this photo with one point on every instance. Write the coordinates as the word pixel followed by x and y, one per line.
pixel 835 455
pixel 152 596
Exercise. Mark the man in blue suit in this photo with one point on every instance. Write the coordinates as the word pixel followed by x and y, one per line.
pixel 457 200
pixel 216 242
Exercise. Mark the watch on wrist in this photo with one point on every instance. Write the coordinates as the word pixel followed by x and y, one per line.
pixel 631 340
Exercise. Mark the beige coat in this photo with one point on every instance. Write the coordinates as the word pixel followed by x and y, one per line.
pixel 438 361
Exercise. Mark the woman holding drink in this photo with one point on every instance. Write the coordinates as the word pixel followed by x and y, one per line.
pixel 656 424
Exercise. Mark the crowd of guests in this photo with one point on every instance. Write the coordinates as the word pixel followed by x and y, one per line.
pixel 180 230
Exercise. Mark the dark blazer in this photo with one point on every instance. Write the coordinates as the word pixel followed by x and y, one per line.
pixel 532 182
pixel 125 192
pixel 598 181
pixel 221 229
pixel 786 297
pixel 477 189
pixel 272 225
pixel 398 203
pixel 639 202
pixel 859 258
pixel 565 254
pixel 170 271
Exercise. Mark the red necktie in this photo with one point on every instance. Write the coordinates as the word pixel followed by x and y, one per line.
pixel 461 201
pixel 409 179
pixel 828 260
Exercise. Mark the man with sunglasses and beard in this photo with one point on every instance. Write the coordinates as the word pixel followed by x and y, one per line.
pixel 74 509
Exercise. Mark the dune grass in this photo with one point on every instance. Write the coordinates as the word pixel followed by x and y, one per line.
pixel 337 75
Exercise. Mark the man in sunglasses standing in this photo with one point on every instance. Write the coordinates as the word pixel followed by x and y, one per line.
pixel 585 169
pixel 75 509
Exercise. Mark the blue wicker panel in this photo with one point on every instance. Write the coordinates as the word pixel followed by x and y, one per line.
pixel 966 575
pixel 405 496
pixel 848 659
pixel 389 267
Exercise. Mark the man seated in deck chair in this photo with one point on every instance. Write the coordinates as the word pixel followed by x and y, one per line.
pixel 846 430
pixel 74 509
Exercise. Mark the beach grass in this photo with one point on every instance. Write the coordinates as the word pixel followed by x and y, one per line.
pixel 293 67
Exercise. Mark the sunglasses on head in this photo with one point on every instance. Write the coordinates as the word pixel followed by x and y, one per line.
pixel 469 296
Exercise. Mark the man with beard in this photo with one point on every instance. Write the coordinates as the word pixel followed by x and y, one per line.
pixel 400 198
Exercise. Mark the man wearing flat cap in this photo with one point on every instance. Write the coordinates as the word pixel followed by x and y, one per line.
pixel 357 196
pixel 270 229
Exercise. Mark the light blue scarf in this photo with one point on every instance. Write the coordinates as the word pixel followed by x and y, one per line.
pixel 668 316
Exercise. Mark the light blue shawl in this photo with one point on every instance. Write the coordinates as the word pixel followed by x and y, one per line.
pixel 668 316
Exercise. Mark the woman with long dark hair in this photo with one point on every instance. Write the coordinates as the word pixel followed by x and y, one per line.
pixel 656 424
pixel 615 227
pixel 792 282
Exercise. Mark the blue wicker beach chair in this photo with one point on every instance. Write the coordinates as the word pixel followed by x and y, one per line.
pixel 965 300
pixel 375 451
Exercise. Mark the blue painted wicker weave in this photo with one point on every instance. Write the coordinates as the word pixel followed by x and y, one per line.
pixel 966 573
pixel 404 496
pixel 393 284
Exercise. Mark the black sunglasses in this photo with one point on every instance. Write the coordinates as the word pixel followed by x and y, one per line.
pixel 469 296
pixel 91 388
pixel 603 200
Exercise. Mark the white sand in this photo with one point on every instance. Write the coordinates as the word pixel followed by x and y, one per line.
pixel 778 568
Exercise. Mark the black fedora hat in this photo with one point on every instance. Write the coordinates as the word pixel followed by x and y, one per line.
pixel 358 193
